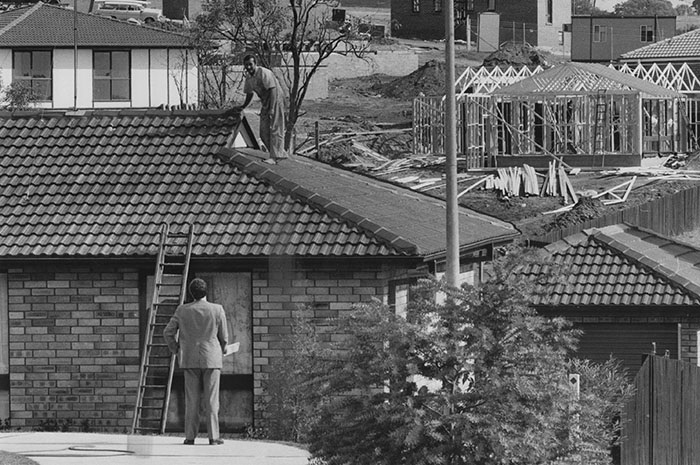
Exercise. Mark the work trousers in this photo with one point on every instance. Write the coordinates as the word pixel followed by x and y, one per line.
pixel 272 124
pixel 202 384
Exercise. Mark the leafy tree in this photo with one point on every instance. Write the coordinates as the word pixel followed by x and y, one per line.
pixel 478 379
pixel 696 5
pixel 19 95
pixel 685 10
pixel 585 7
pixel 645 8
pixel 295 34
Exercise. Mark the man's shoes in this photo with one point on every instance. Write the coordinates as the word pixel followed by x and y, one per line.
pixel 270 161
pixel 189 442
pixel 216 442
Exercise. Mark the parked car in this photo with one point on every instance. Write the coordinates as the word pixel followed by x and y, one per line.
pixel 128 10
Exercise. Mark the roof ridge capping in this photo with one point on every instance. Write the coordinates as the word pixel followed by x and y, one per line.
pixel 658 269
pixel 256 169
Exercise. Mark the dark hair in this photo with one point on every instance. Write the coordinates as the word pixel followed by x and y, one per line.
pixel 249 57
pixel 198 288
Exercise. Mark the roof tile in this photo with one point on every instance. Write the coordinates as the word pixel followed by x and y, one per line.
pixel 43 25
pixel 112 200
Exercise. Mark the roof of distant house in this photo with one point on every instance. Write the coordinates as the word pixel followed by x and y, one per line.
pixel 43 25
pixel 622 265
pixel 574 77
pixel 682 47
pixel 101 183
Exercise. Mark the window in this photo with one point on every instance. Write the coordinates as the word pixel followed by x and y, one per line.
pixel 647 34
pixel 416 6
pixel 34 69
pixel 550 11
pixel 491 5
pixel 437 5
pixel 470 5
pixel 600 33
pixel 111 76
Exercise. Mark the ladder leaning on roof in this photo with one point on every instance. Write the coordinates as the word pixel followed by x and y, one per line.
pixel 157 363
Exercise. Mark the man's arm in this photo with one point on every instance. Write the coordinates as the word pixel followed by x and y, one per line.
pixel 222 334
pixel 248 98
pixel 170 332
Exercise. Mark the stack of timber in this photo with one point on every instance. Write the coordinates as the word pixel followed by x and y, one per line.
pixel 557 183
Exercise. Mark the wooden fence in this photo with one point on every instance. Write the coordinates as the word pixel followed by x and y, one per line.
pixel 669 216
pixel 660 424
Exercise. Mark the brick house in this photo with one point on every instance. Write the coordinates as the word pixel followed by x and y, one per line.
pixel 605 38
pixel 681 49
pixel 628 289
pixel 84 196
pixel 119 64
pixel 537 22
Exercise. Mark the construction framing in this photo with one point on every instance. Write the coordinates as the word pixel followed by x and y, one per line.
pixel 605 127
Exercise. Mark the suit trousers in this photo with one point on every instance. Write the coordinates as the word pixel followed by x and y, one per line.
pixel 202 384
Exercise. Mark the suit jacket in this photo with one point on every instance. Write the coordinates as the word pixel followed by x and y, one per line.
pixel 203 334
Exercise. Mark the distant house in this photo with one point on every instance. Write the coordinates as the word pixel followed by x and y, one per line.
pixel 537 22
pixel 683 48
pixel 119 65
pixel 605 38
pixel 83 197
pixel 629 290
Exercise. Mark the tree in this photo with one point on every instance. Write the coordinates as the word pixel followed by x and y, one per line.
pixel 585 7
pixel 645 8
pixel 479 379
pixel 696 5
pixel 19 95
pixel 297 35
pixel 685 10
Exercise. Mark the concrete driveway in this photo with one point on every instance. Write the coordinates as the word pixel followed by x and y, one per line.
pixel 119 449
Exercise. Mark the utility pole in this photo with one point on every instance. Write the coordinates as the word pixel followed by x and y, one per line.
pixel 452 220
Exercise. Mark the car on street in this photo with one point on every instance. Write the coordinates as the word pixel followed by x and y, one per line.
pixel 128 10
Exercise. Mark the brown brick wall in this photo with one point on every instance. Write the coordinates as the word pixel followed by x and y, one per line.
pixel 330 290
pixel 74 345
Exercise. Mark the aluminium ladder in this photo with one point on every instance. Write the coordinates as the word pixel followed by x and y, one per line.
pixel 157 363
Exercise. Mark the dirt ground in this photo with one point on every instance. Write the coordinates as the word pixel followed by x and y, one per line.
pixel 378 102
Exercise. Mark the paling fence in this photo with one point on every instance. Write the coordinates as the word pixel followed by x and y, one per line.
pixel 660 424
pixel 669 216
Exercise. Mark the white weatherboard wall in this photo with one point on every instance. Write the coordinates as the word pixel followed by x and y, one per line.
pixel 158 77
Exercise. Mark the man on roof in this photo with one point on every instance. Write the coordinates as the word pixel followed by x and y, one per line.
pixel 264 84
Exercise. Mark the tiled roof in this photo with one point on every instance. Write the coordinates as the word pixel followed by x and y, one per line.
pixel 43 25
pixel 583 77
pixel 686 45
pixel 400 215
pixel 622 266
pixel 102 183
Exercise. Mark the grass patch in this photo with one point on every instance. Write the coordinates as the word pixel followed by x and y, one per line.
pixel 8 458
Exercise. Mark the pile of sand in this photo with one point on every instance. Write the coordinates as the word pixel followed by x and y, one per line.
pixel 428 80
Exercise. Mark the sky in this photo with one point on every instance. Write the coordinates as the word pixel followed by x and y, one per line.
pixel 609 4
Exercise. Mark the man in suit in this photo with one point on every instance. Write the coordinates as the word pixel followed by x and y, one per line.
pixel 202 338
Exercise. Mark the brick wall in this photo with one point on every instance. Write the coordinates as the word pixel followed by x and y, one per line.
pixel 74 345
pixel 330 289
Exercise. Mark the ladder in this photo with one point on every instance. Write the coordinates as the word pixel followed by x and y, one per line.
pixel 157 363
pixel 600 122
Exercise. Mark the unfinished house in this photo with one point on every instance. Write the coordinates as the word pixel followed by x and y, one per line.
pixel 582 114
